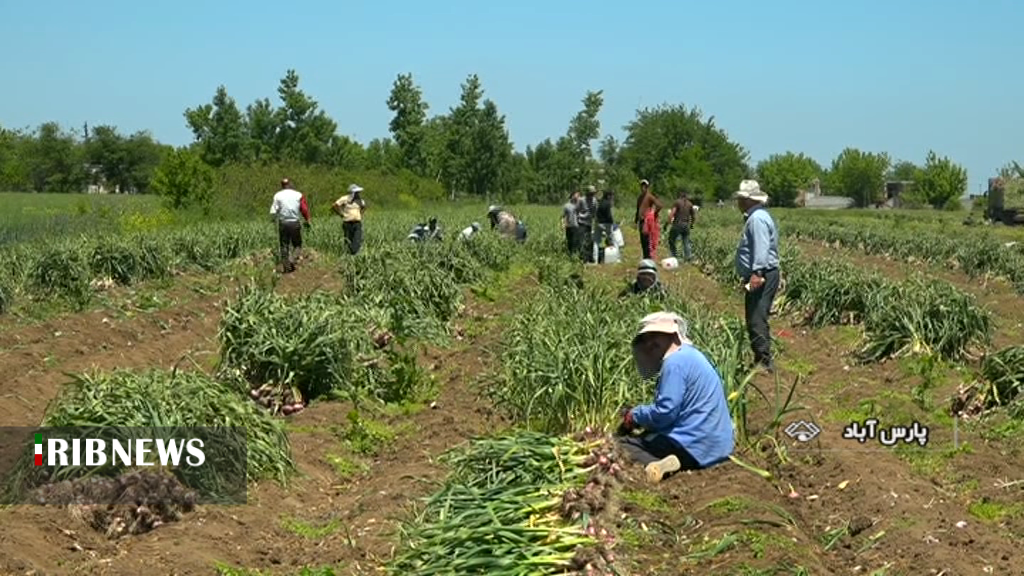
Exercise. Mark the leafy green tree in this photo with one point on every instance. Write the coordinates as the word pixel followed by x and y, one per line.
pixel 942 182
pixel 672 144
pixel 383 154
pixel 14 171
pixel 219 129
pixel 462 123
pixel 55 160
pixel 261 120
pixel 584 128
pixel 125 162
pixel 783 176
pixel 407 125
pixel 184 180
pixel 905 171
pixel 305 133
pixel 858 175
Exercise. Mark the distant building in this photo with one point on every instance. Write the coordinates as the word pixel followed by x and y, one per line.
pixel 894 190
pixel 813 198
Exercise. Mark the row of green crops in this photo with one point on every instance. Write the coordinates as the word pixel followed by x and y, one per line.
pixel 73 268
pixel 124 402
pixel 356 343
pixel 526 504
pixel 913 316
pixel 976 253
pixel 70 268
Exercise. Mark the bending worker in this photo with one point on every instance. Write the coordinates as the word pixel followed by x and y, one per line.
pixel 688 427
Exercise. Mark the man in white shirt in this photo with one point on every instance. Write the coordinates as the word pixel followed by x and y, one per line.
pixel 289 209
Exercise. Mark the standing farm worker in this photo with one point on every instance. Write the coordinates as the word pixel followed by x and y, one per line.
pixel 605 223
pixel 290 210
pixel 648 208
pixel 688 427
pixel 570 221
pixel 588 210
pixel 351 207
pixel 682 218
pixel 757 264
pixel 647 281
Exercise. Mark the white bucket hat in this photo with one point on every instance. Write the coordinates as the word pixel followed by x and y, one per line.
pixel 355 188
pixel 660 322
pixel 751 190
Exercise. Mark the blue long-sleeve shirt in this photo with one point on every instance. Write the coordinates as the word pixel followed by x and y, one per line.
pixel 690 407
pixel 759 243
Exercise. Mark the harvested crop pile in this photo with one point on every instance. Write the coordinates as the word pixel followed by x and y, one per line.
pixel 132 503
pixel 1000 382
pixel 241 442
pixel 522 504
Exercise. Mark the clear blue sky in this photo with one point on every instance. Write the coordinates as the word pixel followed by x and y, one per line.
pixel 900 76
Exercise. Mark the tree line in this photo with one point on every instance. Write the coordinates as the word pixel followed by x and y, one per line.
pixel 464 151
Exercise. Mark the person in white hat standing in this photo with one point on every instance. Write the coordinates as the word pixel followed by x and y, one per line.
pixel 351 207
pixel 688 426
pixel 757 264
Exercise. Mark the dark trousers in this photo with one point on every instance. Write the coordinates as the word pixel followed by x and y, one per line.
pixel 572 240
pixel 353 236
pixel 680 233
pixel 586 243
pixel 653 447
pixel 645 245
pixel 289 235
pixel 758 305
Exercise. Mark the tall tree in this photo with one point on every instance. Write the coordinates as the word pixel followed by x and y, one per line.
pixel 407 125
pixel 858 175
pixel 585 128
pixel 672 145
pixel 55 160
pixel 462 123
pixel 492 153
pixel 219 129
pixel 304 132
pixel 942 182
pixel 783 176
pixel 261 119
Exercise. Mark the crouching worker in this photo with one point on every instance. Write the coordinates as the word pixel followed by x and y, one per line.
pixel 647 281
pixel 688 427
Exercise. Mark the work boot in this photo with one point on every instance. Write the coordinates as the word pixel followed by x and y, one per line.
pixel 657 470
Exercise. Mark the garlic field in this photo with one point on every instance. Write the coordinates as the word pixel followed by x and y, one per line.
pixel 446 408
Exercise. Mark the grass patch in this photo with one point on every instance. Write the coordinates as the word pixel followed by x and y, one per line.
pixel 760 542
pixel 645 500
pixel 728 505
pixel 346 468
pixel 988 510
pixel 365 436
pixel 309 530
pixel 797 366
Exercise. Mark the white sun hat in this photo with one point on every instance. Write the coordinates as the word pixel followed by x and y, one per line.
pixel 751 190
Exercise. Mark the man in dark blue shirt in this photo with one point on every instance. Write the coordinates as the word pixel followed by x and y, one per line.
pixel 688 427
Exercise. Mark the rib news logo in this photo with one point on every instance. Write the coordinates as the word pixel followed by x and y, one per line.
pixel 54 465
pixel 135 452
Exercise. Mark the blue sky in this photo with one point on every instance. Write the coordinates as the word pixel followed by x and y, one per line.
pixel 901 76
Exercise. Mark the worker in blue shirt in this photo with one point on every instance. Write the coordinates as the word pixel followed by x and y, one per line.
pixel 757 264
pixel 688 427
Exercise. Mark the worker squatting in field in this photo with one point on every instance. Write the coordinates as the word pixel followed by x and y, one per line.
pixel 688 426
